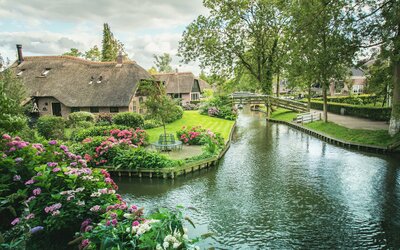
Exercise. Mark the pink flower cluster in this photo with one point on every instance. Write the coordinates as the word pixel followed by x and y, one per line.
pixel 53 209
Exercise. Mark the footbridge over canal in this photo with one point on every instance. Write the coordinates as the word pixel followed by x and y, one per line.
pixel 267 100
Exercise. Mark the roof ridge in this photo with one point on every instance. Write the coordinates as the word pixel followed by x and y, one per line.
pixel 76 59
pixel 174 73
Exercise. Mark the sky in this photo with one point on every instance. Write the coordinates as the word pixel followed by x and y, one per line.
pixel 52 27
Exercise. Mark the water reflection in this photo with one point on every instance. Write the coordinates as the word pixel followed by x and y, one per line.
pixel 279 188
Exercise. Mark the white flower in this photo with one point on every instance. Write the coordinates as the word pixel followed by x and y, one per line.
pixel 159 247
pixel 185 230
pixel 165 244
pixel 185 237
pixel 95 194
pixel 176 245
pixel 80 203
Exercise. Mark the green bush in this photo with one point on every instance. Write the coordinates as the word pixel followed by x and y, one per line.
pixel 140 158
pixel 81 134
pixel 104 119
pixel 354 99
pixel 129 119
pixel 177 113
pixel 51 127
pixel 373 113
pixel 152 123
pixel 81 116
pixel 219 106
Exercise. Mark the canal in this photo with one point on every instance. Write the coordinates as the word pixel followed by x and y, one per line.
pixel 279 188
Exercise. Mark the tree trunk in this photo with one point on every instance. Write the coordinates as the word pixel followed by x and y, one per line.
pixel 309 98
pixel 394 126
pixel 165 131
pixel 277 84
pixel 324 96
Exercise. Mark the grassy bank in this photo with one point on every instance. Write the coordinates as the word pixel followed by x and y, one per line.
pixel 193 118
pixel 370 137
pixel 283 115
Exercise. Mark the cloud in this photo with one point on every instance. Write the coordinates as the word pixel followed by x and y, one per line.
pixel 53 27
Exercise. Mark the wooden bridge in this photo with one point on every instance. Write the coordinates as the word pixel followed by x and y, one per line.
pixel 267 100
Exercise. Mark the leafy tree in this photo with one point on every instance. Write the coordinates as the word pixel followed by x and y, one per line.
pixel 236 33
pixel 73 52
pixel 163 63
pixel 111 46
pixel 158 105
pixel 380 79
pixel 12 93
pixel 93 54
pixel 152 70
pixel 324 38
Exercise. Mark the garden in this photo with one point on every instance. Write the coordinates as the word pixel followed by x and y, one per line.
pixel 56 192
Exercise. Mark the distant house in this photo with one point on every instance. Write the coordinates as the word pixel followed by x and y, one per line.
pixel 183 85
pixel 358 81
pixel 59 85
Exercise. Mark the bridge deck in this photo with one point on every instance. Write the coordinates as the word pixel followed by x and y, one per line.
pixel 267 99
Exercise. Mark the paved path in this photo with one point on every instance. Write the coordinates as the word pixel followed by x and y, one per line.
pixel 355 122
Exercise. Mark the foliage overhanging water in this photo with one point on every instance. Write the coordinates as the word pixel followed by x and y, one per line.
pixel 279 188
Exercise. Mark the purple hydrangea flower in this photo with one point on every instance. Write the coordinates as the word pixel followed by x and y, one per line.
pixel 6 137
pixel 15 221
pixel 36 229
pixel 52 164
pixel 52 142
pixel 18 160
pixel 16 178
pixel 37 191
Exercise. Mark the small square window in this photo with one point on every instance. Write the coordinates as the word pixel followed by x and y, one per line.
pixel 114 109
pixel 75 109
pixel 20 73
pixel 94 109
pixel 46 72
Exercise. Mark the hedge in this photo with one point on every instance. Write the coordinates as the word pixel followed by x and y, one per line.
pixel 354 99
pixel 373 113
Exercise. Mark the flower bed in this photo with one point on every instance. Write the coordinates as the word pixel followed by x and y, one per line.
pixel 48 193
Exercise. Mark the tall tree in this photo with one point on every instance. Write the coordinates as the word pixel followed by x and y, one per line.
pixel 73 52
pixel 93 54
pixel 325 39
pixel 111 46
pixel 379 78
pixel 12 92
pixel 236 33
pixel 163 63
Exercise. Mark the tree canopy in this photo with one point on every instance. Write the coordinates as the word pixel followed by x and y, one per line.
pixel 163 63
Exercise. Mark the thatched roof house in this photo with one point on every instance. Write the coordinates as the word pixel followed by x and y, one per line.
pixel 63 84
pixel 182 85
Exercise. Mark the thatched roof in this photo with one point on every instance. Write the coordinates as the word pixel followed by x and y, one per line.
pixel 181 82
pixel 204 85
pixel 69 77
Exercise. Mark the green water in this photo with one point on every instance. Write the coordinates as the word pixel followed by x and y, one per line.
pixel 279 188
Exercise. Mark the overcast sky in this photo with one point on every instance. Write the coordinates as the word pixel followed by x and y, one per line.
pixel 52 27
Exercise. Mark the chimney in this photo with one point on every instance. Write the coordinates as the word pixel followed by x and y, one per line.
pixel 119 58
pixel 176 70
pixel 20 57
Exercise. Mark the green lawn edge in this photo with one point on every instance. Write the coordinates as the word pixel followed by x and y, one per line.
pixel 361 136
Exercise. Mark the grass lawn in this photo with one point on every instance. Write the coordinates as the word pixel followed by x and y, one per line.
pixel 371 137
pixel 193 118
pixel 283 115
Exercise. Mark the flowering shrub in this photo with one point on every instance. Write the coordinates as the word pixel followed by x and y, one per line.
pixel 82 134
pixel 51 127
pixel 100 150
pixel 47 191
pixel 48 186
pixel 76 118
pixel 103 119
pixel 191 136
pixel 126 228
pixel 130 119
pixel 219 106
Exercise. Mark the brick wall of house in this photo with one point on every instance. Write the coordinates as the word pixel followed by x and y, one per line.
pixel 45 106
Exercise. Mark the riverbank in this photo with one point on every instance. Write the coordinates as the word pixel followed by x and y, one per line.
pixel 359 138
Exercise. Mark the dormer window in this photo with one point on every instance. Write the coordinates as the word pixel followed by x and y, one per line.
pixel 100 79
pixel 20 73
pixel 91 80
pixel 46 72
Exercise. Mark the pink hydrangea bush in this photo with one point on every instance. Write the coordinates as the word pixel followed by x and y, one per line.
pixel 199 136
pixel 48 193
pixel 99 151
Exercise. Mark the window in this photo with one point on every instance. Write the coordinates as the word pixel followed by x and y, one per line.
pixel 195 97
pixel 114 109
pixel 46 72
pixel 100 79
pixel 91 80
pixel 140 99
pixel 94 109
pixel 20 73
pixel 75 109
pixel 176 95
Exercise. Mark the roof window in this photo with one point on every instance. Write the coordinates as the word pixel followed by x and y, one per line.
pixel 100 79
pixel 91 80
pixel 46 72
pixel 20 73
